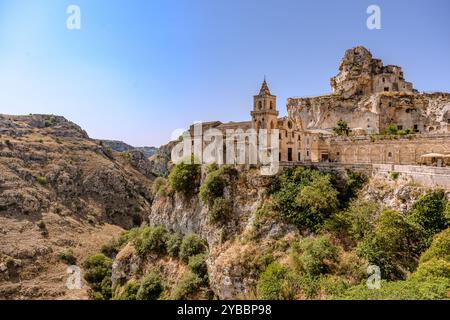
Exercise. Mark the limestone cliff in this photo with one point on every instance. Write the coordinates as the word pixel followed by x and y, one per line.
pixel 369 97
pixel 60 190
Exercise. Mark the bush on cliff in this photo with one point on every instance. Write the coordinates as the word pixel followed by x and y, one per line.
pixel 151 239
pixel 190 246
pixel 185 178
pixel 97 272
pixel 304 197
pixel 151 287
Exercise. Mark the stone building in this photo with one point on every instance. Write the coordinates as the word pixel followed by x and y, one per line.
pixel 370 98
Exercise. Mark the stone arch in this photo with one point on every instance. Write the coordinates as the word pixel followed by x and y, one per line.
pixel 376 154
pixel 390 155
pixel 363 154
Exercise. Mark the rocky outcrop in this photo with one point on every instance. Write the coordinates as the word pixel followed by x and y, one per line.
pixel 121 146
pixel 160 162
pixel 369 97
pixel 60 190
pixel 51 125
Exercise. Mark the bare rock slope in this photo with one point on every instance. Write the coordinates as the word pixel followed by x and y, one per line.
pixel 60 191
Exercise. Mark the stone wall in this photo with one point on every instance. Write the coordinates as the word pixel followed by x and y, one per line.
pixel 423 175
pixel 378 150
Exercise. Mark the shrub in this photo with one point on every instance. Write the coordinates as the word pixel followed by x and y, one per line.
pixel 158 187
pixel 211 167
pixel 68 257
pixel 41 180
pixel 185 178
pixel 317 255
pixel 357 222
pixel 341 128
pixel 272 283
pixel 98 274
pixel 212 187
pixel 439 249
pixel 151 239
pixel 111 248
pixel 436 268
pixel 317 201
pixel 188 284
pixel 129 291
pixel 41 225
pixel 173 244
pixel 429 213
pixel 220 210
pixel 390 130
pixel 151 287
pixel 393 246
pixel 394 175
pixel 434 288
pixel 197 264
pixel 330 285
pixel 190 246
pixel 304 197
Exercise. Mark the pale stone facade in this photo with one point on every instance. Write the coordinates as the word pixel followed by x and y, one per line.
pixel 369 97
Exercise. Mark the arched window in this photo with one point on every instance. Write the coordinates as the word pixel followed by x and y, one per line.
pixel 260 105
pixel 272 126
pixel 390 154
pixel 271 105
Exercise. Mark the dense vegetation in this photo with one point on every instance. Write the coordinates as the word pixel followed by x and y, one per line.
pixel 347 234
pixel 339 235
pixel 148 242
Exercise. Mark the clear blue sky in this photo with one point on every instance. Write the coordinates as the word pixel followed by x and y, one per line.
pixel 137 70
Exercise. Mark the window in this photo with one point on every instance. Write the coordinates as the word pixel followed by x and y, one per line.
pixel 384 80
pixel 390 154
pixel 293 135
pixel 416 127
pixel 399 127
pixel 286 134
pixel 260 105
pixel 271 105
pixel 289 125
pixel 298 156
pixel 386 89
pixel 279 156
pixel 279 136
pixel 307 153
pixel 299 136
pixel 289 155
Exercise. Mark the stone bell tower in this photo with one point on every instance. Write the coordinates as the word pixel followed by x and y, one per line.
pixel 264 114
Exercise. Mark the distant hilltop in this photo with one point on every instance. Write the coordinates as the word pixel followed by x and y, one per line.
pixel 121 146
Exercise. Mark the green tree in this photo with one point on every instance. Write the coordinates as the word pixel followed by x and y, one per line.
pixel 341 128
pixel 316 255
pixel 429 212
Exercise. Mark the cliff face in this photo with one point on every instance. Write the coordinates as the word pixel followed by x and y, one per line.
pixel 369 97
pixel 60 190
